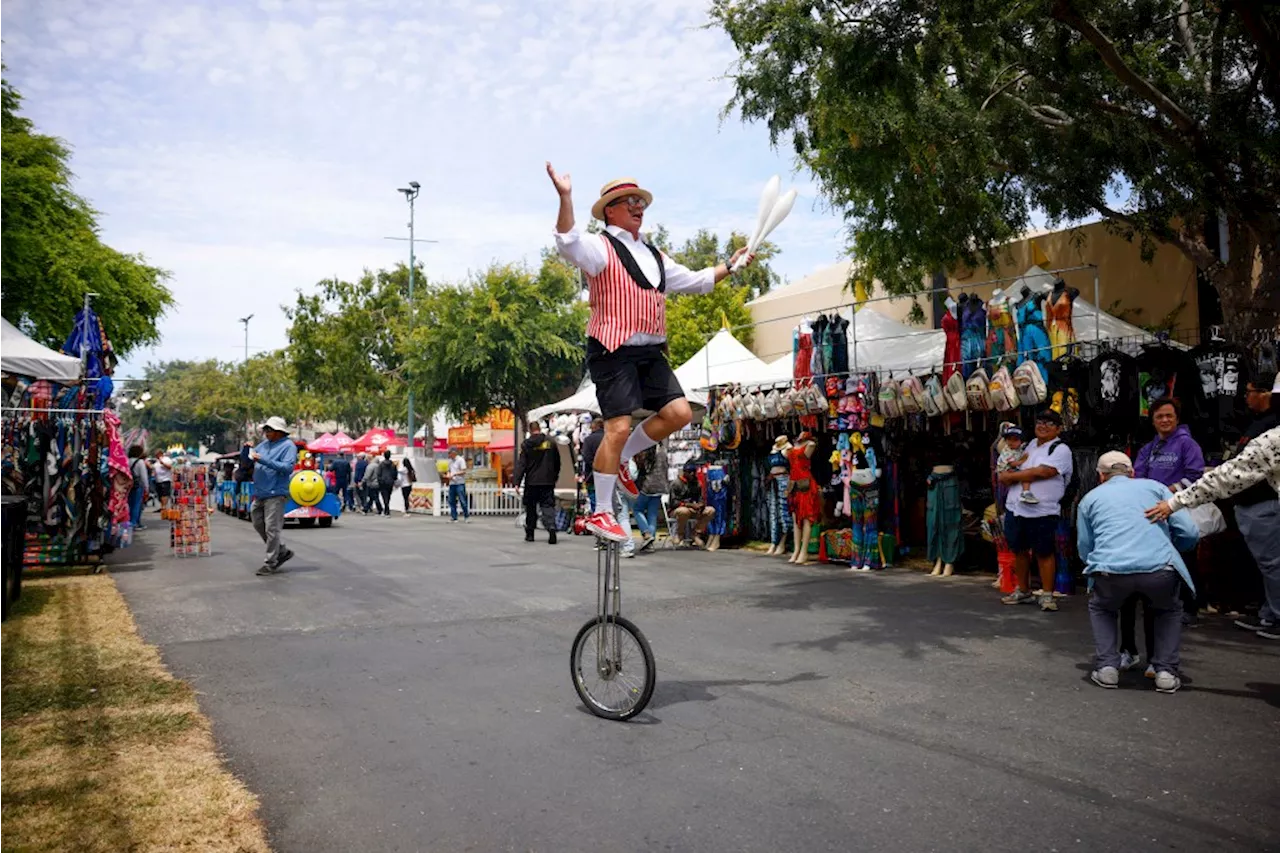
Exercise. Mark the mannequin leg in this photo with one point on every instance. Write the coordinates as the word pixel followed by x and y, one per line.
pixel 802 557
pixel 937 569
pixel 947 568
pixel 713 544
pixel 795 533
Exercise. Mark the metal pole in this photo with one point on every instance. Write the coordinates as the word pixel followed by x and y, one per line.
pixel 412 317
pixel 1097 309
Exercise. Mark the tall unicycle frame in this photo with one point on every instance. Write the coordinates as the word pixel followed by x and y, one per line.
pixel 611 662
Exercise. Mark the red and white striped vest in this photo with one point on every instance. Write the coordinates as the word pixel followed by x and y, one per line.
pixel 620 306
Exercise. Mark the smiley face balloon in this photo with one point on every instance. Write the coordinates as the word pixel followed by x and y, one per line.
pixel 306 488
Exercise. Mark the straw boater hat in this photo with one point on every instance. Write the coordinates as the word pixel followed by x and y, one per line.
pixel 781 443
pixel 617 189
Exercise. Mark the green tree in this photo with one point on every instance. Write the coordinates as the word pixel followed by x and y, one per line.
pixel 346 346
pixel 939 126
pixel 508 338
pixel 52 254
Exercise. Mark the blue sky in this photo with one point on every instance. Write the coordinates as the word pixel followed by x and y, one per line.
pixel 253 148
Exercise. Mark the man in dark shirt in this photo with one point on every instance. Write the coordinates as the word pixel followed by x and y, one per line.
pixel 342 482
pixel 1257 507
pixel 537 469
pixel 687 502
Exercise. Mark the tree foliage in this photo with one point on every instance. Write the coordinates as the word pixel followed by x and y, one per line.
pixel 508 338
pixel 347 346
pixel 940 126
pixel 52 253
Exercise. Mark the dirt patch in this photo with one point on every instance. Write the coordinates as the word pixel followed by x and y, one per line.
pixel 104 750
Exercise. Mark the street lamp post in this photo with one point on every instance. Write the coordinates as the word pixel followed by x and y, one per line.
pixel 410 193
pixel 246 320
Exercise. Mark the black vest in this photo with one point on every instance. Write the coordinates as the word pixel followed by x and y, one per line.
pixel 633 269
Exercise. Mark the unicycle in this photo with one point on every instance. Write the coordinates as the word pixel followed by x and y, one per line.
pixel 611 662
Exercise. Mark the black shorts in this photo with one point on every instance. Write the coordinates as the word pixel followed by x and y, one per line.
pixel 1037 535
pixel 163 490
pixel 631 378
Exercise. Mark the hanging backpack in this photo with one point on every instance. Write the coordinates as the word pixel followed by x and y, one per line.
pixel 771 404
pixel 1003 396
pixel 888 399
pixel 912 393
pixel 1028 383
pixel 935 401
pixel 977 392
pixel 954 390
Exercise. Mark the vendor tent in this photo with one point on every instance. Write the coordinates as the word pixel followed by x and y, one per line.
pixel 327 443
pixel 22 356
pixel 343 441
pixel 582 400
pixel 374 440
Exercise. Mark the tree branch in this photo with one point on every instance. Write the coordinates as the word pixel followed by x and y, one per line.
pixel 1065 11
pixel 1184 29
pixel 1002 88
pixel 1043 113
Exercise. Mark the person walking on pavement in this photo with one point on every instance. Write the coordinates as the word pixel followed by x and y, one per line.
pixel 590 445
pixel 652 481
pixel 628 280
pixel 372 497
pixel 387 477
pixel 458 486
pixel 357 478
pixel 163 480
pixel 342 481
pixel 1123 556
pixel 537 470
pixel 407 477
pixel 1257 465
pixel 141 483
pixel 273 460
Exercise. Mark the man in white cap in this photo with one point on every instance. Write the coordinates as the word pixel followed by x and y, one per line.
pixel 628 280
pixel 273 460
pixel 1123 555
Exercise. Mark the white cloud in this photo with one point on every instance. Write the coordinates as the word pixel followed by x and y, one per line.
pixel 255 147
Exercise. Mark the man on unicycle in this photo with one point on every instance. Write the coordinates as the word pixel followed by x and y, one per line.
pixel 627 334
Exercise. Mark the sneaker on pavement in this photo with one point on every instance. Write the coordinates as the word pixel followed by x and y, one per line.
pixel 1128 661
pixel 266 570
pixel 528 535
pixel 1018 597
pixel 1047 603
pixel 1272 633
pixel 551 538
pixel 1255 625
pixel 1167 682
pixel 628 484
pixel 647 543
pixel 604 525
pixel 1108 677
pixel 1150 672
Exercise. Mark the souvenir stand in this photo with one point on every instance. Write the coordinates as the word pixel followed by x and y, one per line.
pixel 905 421
pixel 62 449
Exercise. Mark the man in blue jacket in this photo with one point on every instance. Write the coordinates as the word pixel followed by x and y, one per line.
pixel 273 460
pixel 342 482
pixel 1124 555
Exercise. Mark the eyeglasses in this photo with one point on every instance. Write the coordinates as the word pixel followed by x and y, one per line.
pixel 630 201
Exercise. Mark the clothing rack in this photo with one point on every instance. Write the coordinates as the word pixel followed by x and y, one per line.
pixel 7 409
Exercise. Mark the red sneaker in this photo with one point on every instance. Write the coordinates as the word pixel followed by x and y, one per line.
pixel 604 525
pixel 628 484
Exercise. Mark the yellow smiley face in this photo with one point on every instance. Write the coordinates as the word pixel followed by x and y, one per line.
pixel 306 488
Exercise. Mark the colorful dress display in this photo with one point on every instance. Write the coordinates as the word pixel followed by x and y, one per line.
pixel 973 334
pixel 779 510
pixel 864 509
pixel 1033 341
pixel 1002 337
pixel 806 497
pixel 1058 306
pixel 718 500
pixel 951 355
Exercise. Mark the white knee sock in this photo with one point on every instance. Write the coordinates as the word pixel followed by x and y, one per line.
pixel 604 490
pixel 638 441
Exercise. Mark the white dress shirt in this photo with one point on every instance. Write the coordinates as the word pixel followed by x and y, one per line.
pixel 589 254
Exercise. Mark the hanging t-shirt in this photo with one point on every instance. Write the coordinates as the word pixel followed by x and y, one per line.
pixel 1068 382
pixel 1113 394
pixel 1167 372
pixel 1224 370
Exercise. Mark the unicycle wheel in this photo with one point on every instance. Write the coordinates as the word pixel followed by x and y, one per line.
pixel 618 684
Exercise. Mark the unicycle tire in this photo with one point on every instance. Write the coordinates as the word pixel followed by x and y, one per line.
pixel 622 695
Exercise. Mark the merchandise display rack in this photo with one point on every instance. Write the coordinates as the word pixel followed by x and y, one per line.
pixel 189 512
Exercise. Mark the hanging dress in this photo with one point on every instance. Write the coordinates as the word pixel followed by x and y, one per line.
pixel 718 500
pixel 779 511
pixel 1033 342
pixel 973 335
pixel 1002 343
pixel 839 345
pixel 951 354
pixel 803 338
pixel 1058 307
pixel 806 497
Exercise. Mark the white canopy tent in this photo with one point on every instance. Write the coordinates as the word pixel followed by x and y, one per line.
pixel 24 357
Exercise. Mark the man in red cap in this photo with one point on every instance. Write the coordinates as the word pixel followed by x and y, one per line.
pixel 626 336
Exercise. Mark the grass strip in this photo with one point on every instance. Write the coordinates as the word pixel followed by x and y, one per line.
pixel 101 749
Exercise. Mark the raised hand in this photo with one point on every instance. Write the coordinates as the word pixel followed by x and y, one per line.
pixel 563 183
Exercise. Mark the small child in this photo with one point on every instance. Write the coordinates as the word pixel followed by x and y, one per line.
pixel 1012 458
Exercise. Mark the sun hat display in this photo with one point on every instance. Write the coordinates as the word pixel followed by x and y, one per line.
pixel 616 189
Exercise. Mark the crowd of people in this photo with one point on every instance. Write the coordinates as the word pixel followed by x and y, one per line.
pixel 152 483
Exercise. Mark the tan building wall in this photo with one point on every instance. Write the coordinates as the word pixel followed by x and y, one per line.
pixel 1157 288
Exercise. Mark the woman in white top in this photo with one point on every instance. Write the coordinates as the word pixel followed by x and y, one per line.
pixel 405 478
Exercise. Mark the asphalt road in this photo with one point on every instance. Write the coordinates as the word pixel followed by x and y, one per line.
pixel 405 686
